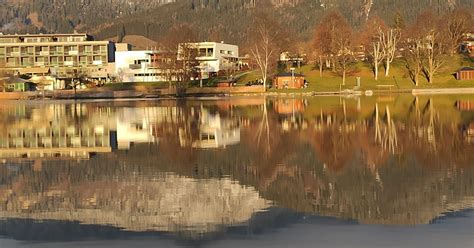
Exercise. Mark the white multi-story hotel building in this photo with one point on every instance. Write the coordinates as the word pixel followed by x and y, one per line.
pixel 61 55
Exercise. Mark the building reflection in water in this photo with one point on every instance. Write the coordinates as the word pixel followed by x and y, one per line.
pixel 214 132
pixel 400 160
pixel 467 107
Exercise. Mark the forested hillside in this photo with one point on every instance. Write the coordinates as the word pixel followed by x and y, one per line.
pixel 66 15
pixel 210 19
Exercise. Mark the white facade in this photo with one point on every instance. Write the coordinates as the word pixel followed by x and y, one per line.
pixel 215 57
pixel 134 126
pixel 136 66
pixel 214 132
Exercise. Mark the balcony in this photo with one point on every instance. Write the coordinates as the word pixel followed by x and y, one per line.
pixel 69 63
pixel 97 62
pixel 73 53
pixel 135 67
pixel 15 54
pixel 44 53
pixel 40 63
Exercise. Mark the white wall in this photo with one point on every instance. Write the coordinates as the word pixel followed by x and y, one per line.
pixel 218 60
pixel 123 60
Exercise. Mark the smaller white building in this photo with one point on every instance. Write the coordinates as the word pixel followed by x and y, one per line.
pixel 214 57
pixel 136 66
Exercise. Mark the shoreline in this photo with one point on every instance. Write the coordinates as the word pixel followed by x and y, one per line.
pixel 210 92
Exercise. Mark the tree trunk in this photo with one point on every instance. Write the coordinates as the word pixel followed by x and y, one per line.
pixel 320 66
pixel 387 68
pixel 376 70
pixel 344 77
pixel 416 78
pixel 265 83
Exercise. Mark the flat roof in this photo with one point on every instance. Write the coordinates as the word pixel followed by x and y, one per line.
pixel 288 74
pixel 40 35
pixel 208 43
pixel 467 69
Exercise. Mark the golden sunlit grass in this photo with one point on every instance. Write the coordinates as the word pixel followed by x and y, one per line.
pixel 398 78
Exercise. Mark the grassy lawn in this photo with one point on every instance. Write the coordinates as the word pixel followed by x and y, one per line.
pixel 135 85
pixel 398 77
pixel 331 81
pixel 160 85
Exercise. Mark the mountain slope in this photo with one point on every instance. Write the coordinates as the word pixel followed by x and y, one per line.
pixel 214 20
pixel 228 20
pixel 66 15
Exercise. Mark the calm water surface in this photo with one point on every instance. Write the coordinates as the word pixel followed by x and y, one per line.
pixel 383 171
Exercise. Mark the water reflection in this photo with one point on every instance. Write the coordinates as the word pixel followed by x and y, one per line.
pixel 200 167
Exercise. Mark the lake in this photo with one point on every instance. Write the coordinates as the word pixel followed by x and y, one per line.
pixel 381 171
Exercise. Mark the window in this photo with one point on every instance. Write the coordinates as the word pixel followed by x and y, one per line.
pixel 7 40
pixel 210 52
pixel 54 60
pixel 140 61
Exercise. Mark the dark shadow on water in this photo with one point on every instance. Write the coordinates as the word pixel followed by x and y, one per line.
pixel 271 221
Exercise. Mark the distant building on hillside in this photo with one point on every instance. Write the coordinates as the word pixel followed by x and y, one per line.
pixel 214 57
pixel 293 60
pixel 467 45
pixel 63 55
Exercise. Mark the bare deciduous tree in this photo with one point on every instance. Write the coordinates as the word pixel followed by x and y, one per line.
pixel 176 59
pixel 333 38
pixel 187 64
pixel 4 78
pixel 370 38
pixel 413 59
pixel 263 52
pixel 389 42
pixel 454 25
pixel 345 58
pixel 376 56
pixel 434 54
pixel 166 61
pixel 266 40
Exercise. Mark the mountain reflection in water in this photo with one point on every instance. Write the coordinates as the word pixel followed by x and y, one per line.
pixel 200 167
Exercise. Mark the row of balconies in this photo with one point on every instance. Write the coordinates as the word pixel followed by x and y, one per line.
pixel 57 142
pixel 47 53
pixel 55 63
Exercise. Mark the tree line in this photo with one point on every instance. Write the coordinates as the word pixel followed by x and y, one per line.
pixel 424 44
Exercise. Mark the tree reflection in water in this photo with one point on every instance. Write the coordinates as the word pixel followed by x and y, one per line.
pixel 202 166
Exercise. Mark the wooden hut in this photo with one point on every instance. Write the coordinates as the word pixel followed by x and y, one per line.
pixel 288 81
pixel 465 73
